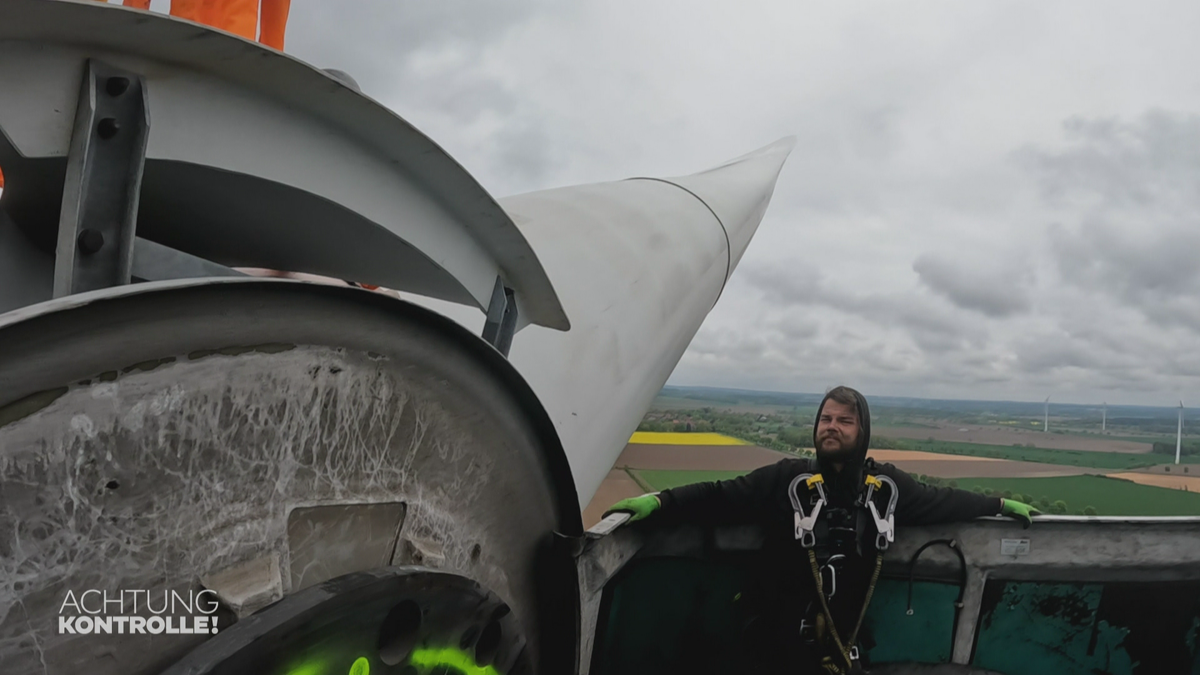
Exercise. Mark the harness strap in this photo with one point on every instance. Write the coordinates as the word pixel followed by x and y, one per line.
pixel 843 649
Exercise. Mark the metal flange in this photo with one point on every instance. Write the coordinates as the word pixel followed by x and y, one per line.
pixel 404 620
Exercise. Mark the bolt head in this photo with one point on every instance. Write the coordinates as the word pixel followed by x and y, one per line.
pixel 90 241
pixel 108 127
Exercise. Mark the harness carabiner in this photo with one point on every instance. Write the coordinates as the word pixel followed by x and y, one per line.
pixel 806 523
pixel 885 526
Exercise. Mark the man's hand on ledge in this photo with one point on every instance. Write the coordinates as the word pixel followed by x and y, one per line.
pixel 640 507
pixel 1020 511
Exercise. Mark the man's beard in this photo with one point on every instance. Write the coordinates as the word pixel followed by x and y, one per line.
pixel 837 451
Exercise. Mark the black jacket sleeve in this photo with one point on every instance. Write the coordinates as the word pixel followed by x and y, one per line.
pixel 745 499
pixel 921 504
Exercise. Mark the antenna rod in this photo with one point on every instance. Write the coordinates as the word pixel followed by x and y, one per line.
pixel 1104 418
pixel 1046 419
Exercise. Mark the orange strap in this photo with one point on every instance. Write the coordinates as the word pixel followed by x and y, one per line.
pixel 274 18
pixel 240 17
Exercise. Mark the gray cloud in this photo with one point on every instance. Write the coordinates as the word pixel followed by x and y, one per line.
pixel 996 295
pixel 931 327
pixel 1151 162
pixel 429 62
pixel 1152 270
pixel 1129 194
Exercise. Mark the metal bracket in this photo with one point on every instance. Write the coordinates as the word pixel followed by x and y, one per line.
pixel 98 220
pixel 501 318
pixel 155 262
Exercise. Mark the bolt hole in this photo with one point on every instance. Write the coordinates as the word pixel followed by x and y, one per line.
pixel 90 241
pixel 108 127
pixel 112 485
pixel 115 86
pixel 398 633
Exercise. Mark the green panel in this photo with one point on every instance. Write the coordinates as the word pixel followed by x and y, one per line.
pixel 1117 628
pixel 673 615
pixel 890 635
pixel 1051 629
pixel 678 615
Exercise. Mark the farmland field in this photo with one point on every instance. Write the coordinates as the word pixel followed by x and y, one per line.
pixel 1002 436
pixel 1081 458
pixel 697 457
pixel 1109 496
pixel 665 480
pixel 974 443
pixel 680 403
pixel 1174 481
pixel 659 467
pixel 957 466
pixel 669 438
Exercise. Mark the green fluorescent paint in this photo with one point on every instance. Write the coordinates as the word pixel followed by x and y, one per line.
pixel 308 668
pixel 455 658
pixel 361 666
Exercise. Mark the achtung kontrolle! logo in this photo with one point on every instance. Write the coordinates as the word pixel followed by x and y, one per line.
pixel 99 612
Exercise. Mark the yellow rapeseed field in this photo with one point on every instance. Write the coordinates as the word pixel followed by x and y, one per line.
pixel 671 438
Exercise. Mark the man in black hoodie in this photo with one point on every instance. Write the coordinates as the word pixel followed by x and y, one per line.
pixel 823 518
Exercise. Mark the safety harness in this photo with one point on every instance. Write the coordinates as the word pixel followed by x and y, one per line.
pixel 806 523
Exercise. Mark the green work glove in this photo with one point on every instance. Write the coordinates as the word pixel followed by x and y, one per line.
pixel 1020 511
pixel 640 507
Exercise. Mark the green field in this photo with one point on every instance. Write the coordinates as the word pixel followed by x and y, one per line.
pixel 667 479
pixel 1083 458
pixel 1134 439
pixel 1109 496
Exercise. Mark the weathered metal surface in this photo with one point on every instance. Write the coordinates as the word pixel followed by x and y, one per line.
pixel 328 541
pixel 601 558
pixel 313 175
pixel 101 191
pixel 159 435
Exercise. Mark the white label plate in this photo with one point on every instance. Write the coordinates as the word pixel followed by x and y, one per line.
pixel 1014 547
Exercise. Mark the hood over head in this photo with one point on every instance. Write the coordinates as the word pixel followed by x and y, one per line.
pixel 844 485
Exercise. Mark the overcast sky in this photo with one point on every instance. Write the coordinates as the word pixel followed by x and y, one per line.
pixel 986 200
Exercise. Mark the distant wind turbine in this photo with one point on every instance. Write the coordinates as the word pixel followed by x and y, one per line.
pixel 1179 433
pixel 1046 421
